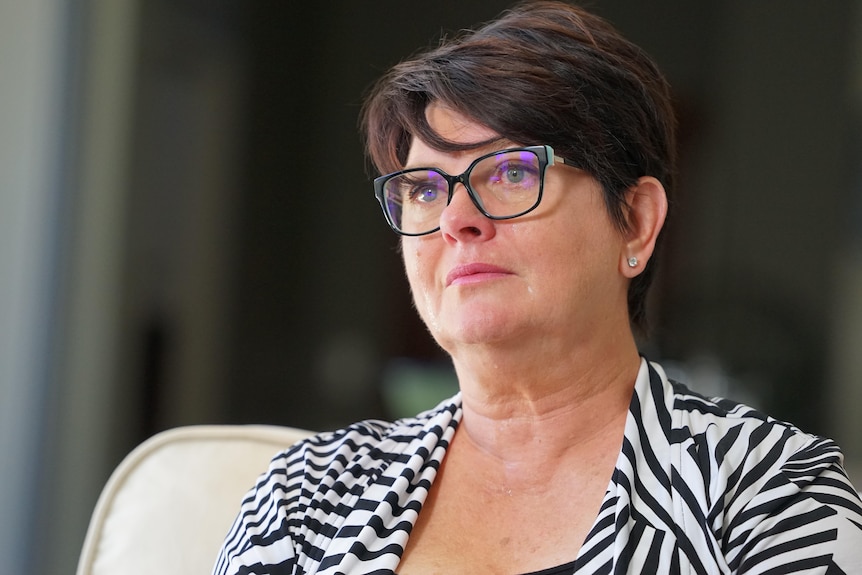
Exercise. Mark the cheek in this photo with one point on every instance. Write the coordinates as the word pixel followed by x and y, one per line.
pixel 576 252
pixel 420 277
pixel 416 269
pixel 410 258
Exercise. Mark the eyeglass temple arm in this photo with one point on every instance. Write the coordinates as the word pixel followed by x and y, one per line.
pixel 555 159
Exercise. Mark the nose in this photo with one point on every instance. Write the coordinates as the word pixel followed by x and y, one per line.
pixel 462 221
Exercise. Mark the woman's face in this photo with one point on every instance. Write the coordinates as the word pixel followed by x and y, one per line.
pixel 552 273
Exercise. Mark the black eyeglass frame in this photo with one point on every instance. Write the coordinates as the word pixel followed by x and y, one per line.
pixel 544 153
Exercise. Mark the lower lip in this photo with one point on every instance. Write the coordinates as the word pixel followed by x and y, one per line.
pixel 477 278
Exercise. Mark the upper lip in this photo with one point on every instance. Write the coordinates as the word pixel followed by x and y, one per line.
pixel 463 270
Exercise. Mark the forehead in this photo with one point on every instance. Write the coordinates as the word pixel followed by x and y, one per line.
pixel 423 155
pixel 453 126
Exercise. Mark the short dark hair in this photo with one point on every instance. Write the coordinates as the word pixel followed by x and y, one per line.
pixel 544 72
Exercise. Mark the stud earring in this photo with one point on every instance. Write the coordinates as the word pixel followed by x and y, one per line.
pixel 633 262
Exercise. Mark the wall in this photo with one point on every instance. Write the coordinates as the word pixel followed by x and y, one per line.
pixel 32 64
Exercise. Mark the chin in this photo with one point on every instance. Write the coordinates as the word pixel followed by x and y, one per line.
pixel 476 329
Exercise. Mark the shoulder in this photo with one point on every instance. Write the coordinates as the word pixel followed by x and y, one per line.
pixel 373 443
pixel 749 452
pixel 759 484
pixel 728 439
pixel 729 448
pixel 689 415
pixel 310 488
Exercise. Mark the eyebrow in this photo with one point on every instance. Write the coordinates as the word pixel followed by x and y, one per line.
pixel 480 149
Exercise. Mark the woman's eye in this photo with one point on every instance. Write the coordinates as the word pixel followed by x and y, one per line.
pixel 516 174
pixel 424 194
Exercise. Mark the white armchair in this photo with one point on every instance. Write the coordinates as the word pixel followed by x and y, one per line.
pixel 167 507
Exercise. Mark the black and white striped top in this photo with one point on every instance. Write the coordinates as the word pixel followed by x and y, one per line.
pixel 700 486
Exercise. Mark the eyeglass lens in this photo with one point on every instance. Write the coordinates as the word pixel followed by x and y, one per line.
pixel 502 185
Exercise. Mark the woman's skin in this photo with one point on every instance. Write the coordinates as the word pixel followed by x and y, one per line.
pixel 533 311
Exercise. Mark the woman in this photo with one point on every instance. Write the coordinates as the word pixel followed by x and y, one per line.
pixel 565 451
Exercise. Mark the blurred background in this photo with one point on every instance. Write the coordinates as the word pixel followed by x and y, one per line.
pixel 188 233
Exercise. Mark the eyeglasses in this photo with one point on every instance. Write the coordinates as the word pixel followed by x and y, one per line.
pixel 502 185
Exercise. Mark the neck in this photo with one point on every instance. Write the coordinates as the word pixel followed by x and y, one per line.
pixel 539 404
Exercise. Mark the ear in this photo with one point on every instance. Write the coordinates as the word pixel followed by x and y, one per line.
pixel 647 210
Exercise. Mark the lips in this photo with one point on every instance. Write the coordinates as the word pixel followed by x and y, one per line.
pixel 473 273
